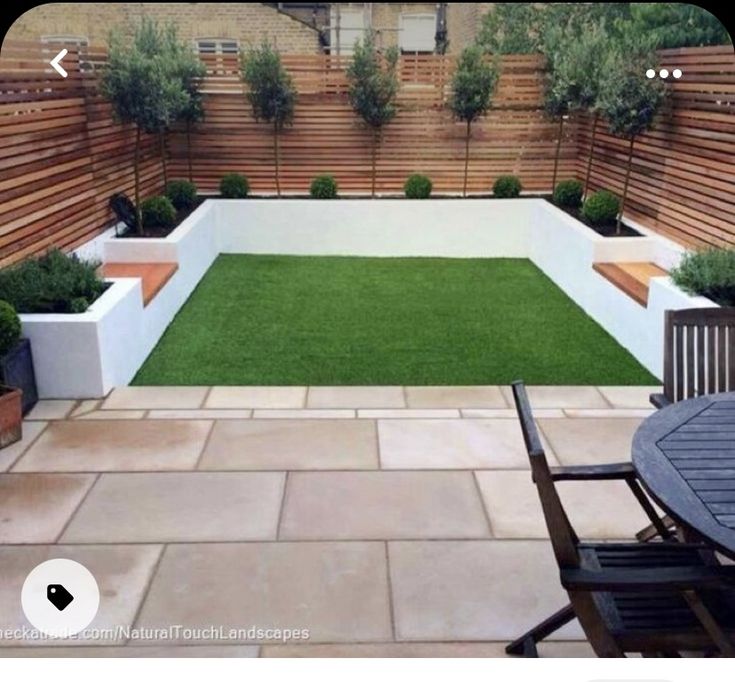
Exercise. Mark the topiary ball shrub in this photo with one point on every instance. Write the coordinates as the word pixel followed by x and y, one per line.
pixel 9 327
pixel 507 187
pixel 601 207
pixel 568 194
pixel 417 186
pixel 158 212
pixel 709 273
pixel 234 186
pixel 323 187
pixel 182 193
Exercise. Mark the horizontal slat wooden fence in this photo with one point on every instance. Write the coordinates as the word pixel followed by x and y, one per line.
pixel 683 178
pixel 62 155
pixel 327 137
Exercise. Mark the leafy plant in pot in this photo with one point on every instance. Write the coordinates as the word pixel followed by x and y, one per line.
pixel 14 355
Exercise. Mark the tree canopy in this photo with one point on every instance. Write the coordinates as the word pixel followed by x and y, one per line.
pixel 271 90
pixel 140 80
pixel 373 82
pixel 518 28
pixel 473 84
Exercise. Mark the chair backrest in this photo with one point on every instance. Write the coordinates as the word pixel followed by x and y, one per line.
pixel 699 352
pixel 563 538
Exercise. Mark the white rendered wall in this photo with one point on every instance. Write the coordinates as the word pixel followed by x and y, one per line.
pixel 86 355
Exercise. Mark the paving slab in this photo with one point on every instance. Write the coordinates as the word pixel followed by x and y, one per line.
pixel 133 651
pixel 35 508
pixel 252 397
pixel 355 396
pixel 200 414
pixel 117 445
pixel 338 591
pixel 280 445
pixel 470 590
pixel 46 410
pixel 371 505
pixel 629 396
pixel 304 413
pixel 155 397
pixel 452 444
pixel 421 650
pixel 455 396
pixel 179 507
pixel 10 454
pixel 409 413
pixel 600 510
pixel 123 573
pixel 560 396
pixel 592 440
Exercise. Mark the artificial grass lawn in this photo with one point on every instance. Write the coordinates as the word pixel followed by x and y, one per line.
pixel 289 320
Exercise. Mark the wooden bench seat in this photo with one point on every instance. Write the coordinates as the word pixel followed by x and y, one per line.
pixel 153 276
pixel 631 278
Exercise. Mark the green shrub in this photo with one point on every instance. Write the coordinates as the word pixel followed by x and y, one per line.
pixel 158 212
pixel 182 193
pixel 507 187
pixel 709 273
pixel 601 207
pixel 9 327
pixel 53 283
pixel 417 186
pixel 234 186
pixel 568 193
pixel 323 187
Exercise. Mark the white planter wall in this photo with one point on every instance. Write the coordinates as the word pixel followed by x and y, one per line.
pixel 85 356
pixel 386 227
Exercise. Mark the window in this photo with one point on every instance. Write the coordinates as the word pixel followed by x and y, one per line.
pixel 73 43
pixel 351 28
pixel 417 33
pixel 79 41
pixel 217 46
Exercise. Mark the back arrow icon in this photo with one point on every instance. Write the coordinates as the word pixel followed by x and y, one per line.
pixel 55 63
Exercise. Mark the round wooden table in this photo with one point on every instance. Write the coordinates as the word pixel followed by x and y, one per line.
pixel 685 457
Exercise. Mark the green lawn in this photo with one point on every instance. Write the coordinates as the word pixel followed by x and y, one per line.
pixel 289 320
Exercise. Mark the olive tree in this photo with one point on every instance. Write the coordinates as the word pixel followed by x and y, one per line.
pixel 373 89
pixel 473 84
pixel 190 70
pixel 139 83
pixel 629 101
pixel 271 93
pixel 572 80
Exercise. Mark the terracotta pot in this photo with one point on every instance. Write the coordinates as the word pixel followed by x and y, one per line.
pixel 11 415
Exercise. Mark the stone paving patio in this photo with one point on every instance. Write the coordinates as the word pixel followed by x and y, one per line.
pixel 389 521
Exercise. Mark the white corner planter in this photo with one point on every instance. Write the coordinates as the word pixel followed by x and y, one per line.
pixel 85 356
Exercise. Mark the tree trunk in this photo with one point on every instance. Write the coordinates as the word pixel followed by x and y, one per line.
pixel 625 186
pixel 188 151
pixel 589 158
pixel 374 161
pixel 136 174
pixel 466 157
pixel 162 144
pixel 558 151
pixel 276 153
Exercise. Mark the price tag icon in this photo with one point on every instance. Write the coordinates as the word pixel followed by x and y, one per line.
pixel 59 596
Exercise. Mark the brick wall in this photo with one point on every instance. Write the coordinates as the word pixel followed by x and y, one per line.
pixel 250 23
pixel 463 23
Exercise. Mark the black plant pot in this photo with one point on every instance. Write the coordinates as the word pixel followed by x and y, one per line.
pixel 16 370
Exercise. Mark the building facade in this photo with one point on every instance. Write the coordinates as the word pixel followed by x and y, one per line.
pixel 294 28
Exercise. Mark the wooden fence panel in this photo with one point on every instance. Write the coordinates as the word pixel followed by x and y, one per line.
pixel 683 178
pixel 62 156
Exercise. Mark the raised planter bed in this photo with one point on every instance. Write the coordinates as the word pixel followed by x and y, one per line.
pixel 86 355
